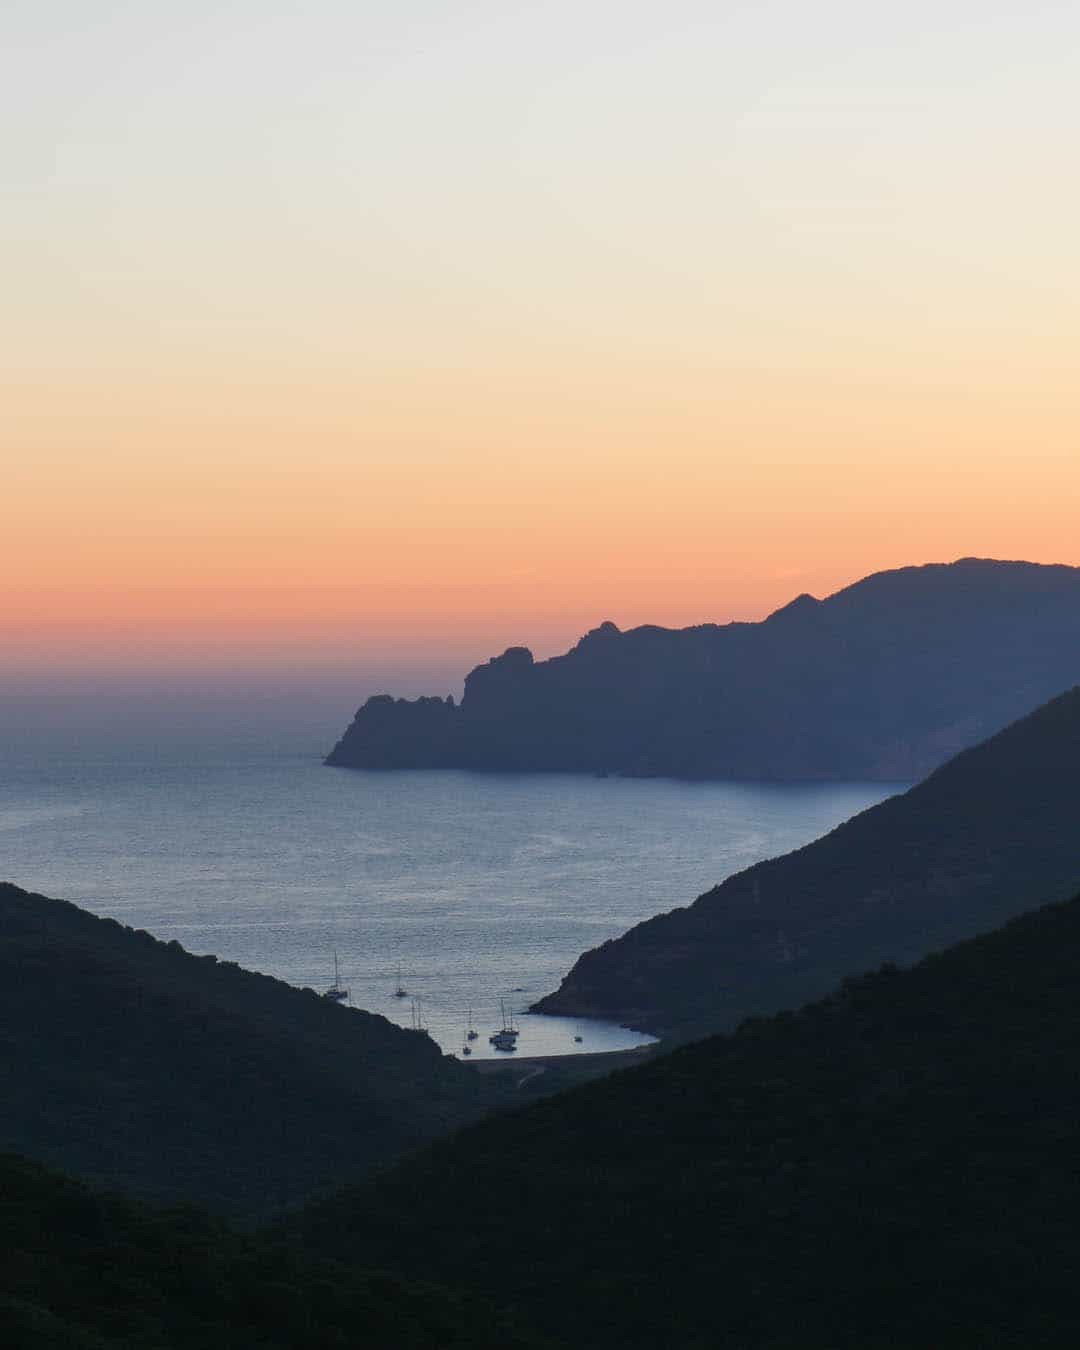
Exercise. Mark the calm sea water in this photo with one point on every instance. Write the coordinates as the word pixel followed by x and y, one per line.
pixel 217 825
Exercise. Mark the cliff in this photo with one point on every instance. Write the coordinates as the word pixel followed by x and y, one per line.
pixel 883 680
pixel 993 832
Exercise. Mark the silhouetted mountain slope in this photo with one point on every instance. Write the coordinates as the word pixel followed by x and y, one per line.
pixel 894 1166
pixel 882 680
pixel 133 1064
pixel 992 833
pixel 88 1272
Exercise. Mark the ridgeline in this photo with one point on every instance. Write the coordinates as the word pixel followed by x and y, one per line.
pixel 883 680
pixel 892 1167
pixel 132 1064
pixel 994 832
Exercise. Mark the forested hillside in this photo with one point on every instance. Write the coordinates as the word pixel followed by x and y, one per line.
pixel 89 1272
pixel 129 1062
pixel 992 833
pixel 893 1166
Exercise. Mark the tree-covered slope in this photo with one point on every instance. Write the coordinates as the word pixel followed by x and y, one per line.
pixel 883 680
pixel 130 1062
pixel 894 1166
pixel 87 1272
pixel 992 833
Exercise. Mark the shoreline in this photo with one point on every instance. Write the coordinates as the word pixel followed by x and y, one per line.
pixel 584 1059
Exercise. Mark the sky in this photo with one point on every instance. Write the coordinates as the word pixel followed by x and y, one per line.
pixel 353 342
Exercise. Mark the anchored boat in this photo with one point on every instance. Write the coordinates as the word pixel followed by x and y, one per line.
pixel 336 994
pixel 506 1037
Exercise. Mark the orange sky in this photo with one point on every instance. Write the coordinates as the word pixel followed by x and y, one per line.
pixel 337 355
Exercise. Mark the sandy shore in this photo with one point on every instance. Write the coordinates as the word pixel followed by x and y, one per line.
pixel 602 1061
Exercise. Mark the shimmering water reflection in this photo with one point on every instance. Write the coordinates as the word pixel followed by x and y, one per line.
pixel 482 888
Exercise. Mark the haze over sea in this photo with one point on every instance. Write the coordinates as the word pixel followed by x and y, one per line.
pixel 211 820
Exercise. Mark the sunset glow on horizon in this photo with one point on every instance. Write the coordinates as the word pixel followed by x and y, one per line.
pixel 369 337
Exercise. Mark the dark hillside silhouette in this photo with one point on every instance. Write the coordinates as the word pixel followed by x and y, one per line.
pixel 131 1063
pixel 992 833
pixel 90 1272
pixel 883 680
pixel 893 1167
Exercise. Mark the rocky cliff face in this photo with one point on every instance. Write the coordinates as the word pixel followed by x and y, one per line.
pixel 883 680
pixel 389 733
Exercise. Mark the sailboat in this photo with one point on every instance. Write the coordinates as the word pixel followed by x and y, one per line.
pixel 400 991
pixel 335 993
pixel 472 1032
pixel 466 1048
pixel 506 1038
pixel 417 1017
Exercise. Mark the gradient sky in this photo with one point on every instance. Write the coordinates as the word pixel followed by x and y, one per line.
pixel 353 338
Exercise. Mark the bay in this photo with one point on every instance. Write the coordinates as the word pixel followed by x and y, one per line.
pixel 215 823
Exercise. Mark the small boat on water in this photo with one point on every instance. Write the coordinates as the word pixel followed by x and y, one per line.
pixel 506 1037
pixel 336 994
pixel 472 1033
pixel 400 991
pixel 417 1018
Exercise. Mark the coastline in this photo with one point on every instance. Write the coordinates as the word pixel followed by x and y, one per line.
pixel 552 1072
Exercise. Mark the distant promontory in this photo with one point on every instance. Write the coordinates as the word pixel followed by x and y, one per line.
pixel 884 680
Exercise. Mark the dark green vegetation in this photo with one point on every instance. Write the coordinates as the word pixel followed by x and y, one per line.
pixel 894 1166
pixel 992 833
pixel 128 1062
pixel 86 1272
pixel 883 680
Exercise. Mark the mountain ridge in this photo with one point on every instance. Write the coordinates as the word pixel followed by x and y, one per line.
pixel 888 1167
pixel 131 1063
pixel 994 831
pixel 882 680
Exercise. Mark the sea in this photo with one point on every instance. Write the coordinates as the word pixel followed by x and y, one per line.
pixel 213 821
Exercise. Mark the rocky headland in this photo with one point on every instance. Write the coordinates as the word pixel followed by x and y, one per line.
pixel 884 680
